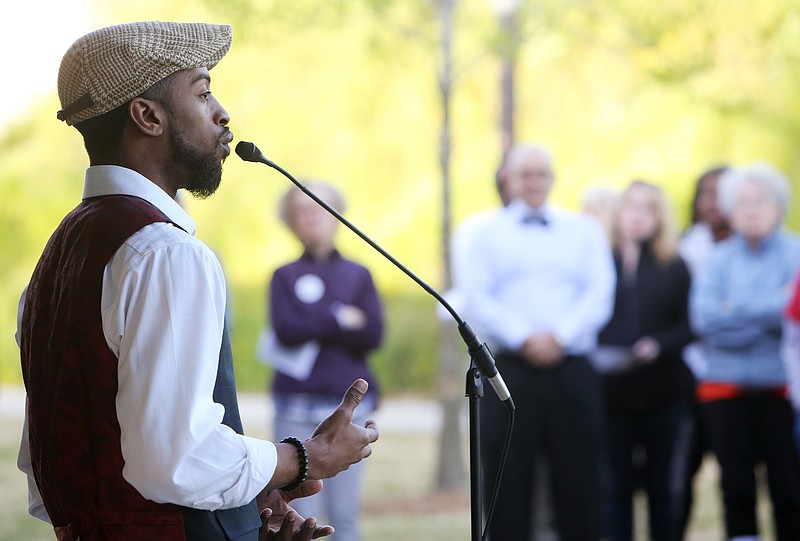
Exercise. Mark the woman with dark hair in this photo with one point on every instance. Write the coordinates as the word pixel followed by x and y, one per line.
pixel 708 227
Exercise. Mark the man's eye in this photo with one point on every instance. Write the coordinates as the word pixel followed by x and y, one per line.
pixel 205 95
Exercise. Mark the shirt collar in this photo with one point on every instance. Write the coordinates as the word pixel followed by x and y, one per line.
pixel 333 255
pixel 115 180
pixel 518 210
pixel 767 243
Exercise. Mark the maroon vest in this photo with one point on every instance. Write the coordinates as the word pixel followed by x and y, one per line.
pixel 70 377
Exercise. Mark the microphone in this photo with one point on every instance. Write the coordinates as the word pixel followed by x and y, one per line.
pixel 478 351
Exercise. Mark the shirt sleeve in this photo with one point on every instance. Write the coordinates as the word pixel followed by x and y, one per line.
pixel 476 280
pixel 163 314
pixel 35 502
pixel 594 307
pixel 296 322
pixel 366 298
pixel 674 337
pixel 711 313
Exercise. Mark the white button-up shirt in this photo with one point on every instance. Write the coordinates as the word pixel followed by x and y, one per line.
pixel 519 278
pixel 163 309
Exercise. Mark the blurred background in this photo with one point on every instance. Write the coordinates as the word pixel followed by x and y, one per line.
pixel 408 106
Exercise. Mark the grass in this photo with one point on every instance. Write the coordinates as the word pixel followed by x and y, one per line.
pixel 399 503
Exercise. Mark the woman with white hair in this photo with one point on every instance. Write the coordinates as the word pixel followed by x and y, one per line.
pixel 327 317
pixel 735 308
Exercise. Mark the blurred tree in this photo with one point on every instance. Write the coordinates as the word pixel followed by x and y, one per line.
pixel 450 470
pixel 428 23
pixel 345 90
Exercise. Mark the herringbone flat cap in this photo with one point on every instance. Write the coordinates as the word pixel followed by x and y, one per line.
pixel 110 66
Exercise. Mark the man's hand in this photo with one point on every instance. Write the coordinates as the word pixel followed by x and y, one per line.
pixel 279 522
pixel 337 443
pixel 542 350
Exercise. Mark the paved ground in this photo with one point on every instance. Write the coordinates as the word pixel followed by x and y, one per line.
pixel 396 415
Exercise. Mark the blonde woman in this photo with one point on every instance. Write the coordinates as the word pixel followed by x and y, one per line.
pixel 647 385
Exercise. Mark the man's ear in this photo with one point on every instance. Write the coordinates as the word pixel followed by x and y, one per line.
pixel 148 116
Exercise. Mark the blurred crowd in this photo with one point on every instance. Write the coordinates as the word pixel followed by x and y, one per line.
pixel 635 352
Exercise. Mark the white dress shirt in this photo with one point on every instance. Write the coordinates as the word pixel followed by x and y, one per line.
pixel 163 309
pixel 521 279
pixel 459 260
pixel 695 248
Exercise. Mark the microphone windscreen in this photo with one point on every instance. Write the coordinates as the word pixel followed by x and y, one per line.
pixel 248 152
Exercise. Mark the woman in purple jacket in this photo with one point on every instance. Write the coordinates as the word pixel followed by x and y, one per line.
pixel 327 317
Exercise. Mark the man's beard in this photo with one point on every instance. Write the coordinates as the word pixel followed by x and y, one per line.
pixel 203 170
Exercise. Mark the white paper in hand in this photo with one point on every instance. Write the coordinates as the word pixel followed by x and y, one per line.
pixel 296 362
pixel 611 359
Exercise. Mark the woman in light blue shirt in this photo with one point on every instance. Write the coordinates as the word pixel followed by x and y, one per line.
pixel 736 307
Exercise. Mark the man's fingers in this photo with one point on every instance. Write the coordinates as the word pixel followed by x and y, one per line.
pixel 287 526
pixel 353 396
pixel 372 430
pixel 306 489
pixel 306 531
pixel 322 531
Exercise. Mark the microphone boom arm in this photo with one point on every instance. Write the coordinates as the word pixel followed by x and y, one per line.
pixel 483 363
pixel 479 352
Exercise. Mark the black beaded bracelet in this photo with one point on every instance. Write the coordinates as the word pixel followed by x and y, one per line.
pixel 302 459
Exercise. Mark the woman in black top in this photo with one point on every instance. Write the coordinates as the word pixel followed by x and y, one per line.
pixel 648 387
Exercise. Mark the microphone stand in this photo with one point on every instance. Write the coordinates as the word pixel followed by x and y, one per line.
pixel 474 392
pixel 481 359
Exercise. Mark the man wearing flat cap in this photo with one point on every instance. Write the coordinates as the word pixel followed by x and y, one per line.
pixel 132 426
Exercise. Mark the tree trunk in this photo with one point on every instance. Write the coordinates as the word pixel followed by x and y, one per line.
pixel 452 369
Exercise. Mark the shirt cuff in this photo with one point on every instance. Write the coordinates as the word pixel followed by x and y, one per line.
pixel 263 455
pixel 262 460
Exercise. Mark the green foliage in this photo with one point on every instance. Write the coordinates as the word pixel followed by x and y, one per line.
pixel 346 90
pixel 38 191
